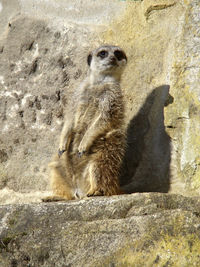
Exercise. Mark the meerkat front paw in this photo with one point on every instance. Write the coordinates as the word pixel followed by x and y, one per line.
pixel 61 151
pixel 80 154
pixel 81 150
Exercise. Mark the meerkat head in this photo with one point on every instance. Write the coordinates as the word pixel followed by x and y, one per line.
pixel 107 61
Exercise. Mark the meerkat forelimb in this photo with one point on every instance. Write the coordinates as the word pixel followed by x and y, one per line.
pixel 65 137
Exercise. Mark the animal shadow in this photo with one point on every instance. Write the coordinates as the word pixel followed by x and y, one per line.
pixel 146 165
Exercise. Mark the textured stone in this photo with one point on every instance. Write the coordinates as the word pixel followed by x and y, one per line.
pixel 162 88
pixel 129 230
pixel 182 116
pixel 38 70
pixel 43 47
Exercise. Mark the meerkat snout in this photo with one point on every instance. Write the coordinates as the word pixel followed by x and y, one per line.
pixel 113 61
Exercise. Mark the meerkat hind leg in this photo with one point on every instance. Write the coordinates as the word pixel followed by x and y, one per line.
pixel 94 178
pixel 60 183
pixel 103 176
pixel 89 175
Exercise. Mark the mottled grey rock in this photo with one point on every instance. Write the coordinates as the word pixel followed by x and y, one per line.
pixel 37 73
pixel 127 230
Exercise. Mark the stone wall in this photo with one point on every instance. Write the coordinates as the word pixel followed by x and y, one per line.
pixel 43 51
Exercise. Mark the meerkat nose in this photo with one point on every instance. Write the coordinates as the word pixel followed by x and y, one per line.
pixel 113 60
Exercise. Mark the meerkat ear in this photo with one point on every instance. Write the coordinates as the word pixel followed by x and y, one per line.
pixel 89 59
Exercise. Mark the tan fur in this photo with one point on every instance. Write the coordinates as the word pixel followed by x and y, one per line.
pixel 93 136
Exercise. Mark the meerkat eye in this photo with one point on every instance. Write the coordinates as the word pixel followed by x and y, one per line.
pixel 120 55
pixel 102 54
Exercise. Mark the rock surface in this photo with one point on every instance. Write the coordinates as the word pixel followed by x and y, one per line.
pixel 136 230
pixel 43 50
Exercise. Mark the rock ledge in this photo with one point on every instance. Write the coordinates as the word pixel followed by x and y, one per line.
pixel 128 230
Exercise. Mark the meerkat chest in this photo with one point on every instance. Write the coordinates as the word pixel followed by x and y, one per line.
pixel 85 110
pixel 94 101
pixel 90 100
pixel 96 95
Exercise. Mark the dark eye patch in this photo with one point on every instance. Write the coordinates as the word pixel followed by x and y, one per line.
pixel 102 54
pixel 89 59
pixel 120 55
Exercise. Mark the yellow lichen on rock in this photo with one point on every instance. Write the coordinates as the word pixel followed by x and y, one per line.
pixel 151 33
pixel 166 248
pixel 145 43
pixel 182 116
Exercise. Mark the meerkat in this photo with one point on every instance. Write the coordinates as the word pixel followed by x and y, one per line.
pixel 92 140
